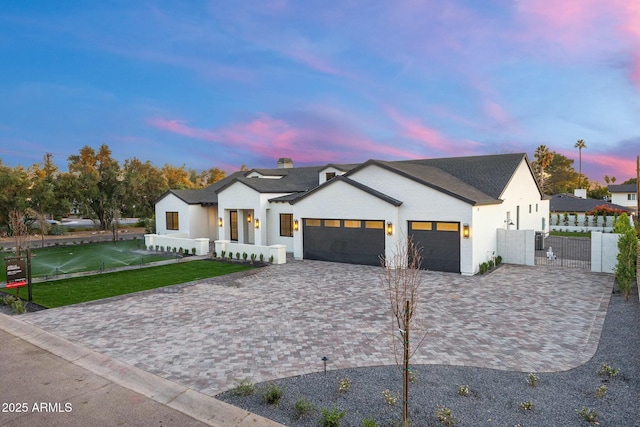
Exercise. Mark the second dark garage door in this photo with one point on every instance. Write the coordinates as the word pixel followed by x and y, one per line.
pixel 343 240
pixel 439 243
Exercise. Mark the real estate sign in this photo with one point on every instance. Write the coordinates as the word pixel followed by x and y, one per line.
pixel 16 271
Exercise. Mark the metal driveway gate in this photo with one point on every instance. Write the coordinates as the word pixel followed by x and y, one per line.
pixel 560 251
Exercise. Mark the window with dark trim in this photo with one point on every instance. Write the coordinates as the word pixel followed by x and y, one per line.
pixel 330 175
pixel 172 221
pixel 286 225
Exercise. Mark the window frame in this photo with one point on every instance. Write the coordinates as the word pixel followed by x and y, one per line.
pixel 172 220
pixel 286 230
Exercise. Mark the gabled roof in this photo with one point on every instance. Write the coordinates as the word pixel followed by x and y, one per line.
pixel 570 203
pixel 356 184
pixel 204 196
pixel 293 180
pixel 477 180
pixel 623 188
pixel 341 167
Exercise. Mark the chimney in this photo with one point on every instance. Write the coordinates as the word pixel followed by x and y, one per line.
pixel 285 163
pixel 580 192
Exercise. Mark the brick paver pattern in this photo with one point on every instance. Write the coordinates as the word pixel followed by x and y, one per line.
pixel 280 320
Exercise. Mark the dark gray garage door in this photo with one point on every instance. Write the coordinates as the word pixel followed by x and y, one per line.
pixel 343 240
pixel 439 243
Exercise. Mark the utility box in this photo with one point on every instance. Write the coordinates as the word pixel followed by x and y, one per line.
pixel 539 240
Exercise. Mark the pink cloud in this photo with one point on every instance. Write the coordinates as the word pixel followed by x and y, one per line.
pixel 273 138
pixel 413 129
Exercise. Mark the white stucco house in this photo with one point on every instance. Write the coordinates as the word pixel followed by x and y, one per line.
pixel 625 195
pixel 355 213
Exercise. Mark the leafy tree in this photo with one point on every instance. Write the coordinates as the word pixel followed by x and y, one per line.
pixel 177 178
pixel 597 191
pixel 214 175
pixel 46 199
pixel 143 184
pixel 99 183
pixel 631 181
pixel 562 176
pixel 627 253
pixel 14 186
pixel 543 158
pixel 580 145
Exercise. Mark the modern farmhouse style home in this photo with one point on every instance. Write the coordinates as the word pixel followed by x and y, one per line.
pixel 355 213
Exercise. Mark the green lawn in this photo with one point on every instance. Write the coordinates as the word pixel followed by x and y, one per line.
pixel 89 288
pixel 62 259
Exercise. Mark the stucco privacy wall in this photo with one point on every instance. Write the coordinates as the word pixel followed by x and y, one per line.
pixel 604 251
pixel 517 246
pixel 486 220
pixel 421 203
pixel 522 198
pixel 339 200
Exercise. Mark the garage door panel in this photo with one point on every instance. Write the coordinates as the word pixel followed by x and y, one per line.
pixel 343 244
pixel 440 250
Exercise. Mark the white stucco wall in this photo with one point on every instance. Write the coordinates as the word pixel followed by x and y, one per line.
pixel 171 203
pixel 422 203
pixel 523 193
pixel 604 251
pixel 322 175
pixel 273 224
pixel 622 199
pixel 340 200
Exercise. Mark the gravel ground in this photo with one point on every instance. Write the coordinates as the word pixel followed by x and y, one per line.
pixel 495 396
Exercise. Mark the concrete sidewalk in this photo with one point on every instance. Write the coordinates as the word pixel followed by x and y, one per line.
pixel 47 380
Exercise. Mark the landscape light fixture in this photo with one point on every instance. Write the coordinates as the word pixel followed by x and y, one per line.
pixel 219 221
pixel 465 231
pixel 257 223
pixel 324 359
pixel 389 229
pixel 296 225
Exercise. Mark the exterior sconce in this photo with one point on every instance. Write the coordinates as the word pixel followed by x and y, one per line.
pixel 296 225
pixel 389 229
pixel 219 221
pixel 465 231
pixel 249 218
pixel 257 223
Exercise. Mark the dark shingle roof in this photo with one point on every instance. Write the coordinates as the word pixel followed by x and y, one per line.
pixel 292 180
pixel 623 188
pixel 489 174
pixel 474 179
pixel 570 203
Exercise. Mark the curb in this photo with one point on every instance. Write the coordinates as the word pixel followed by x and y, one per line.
pixel 197 405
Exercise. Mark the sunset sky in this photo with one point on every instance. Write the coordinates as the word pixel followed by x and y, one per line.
pixel 225 83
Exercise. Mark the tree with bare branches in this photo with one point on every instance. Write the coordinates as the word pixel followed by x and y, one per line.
pixel 19 230
pixel 401 280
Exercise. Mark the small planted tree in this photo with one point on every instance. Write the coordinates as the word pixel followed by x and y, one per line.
pixel 401 281
pixel 627 253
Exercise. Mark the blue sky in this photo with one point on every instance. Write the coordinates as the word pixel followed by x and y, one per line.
pixel 220 84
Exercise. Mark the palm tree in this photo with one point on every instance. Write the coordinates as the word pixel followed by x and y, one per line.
pixel 543 159
pixel 580 145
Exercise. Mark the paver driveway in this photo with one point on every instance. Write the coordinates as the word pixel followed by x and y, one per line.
pixel 280 320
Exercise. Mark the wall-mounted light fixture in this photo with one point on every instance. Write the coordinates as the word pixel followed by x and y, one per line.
pixel 219 221
pixel 257 223
pixel 389 229
pixel 465 231
pixel 296 225
pixel 249 218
